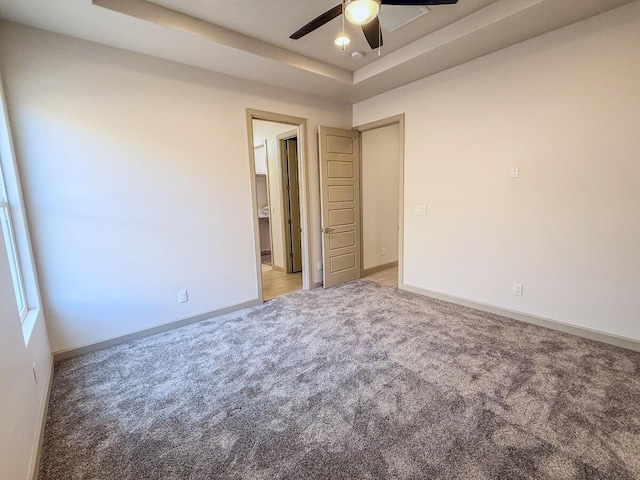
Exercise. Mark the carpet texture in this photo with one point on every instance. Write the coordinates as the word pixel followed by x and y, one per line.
pixel 354 382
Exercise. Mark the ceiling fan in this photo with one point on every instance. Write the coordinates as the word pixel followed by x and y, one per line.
pixel 364 13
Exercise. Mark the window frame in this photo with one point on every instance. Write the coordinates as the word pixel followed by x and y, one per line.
pixel 15 231
pixel 13 255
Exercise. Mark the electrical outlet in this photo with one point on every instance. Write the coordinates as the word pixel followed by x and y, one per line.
pixel 517 289
pixel 383 252
pixel 320 265
pixel 515 172
pixel 420 210
pixel 183 296
pixel 35 373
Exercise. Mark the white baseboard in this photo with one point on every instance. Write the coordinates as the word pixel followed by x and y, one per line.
pixel 77 351
pixel 611 339
pixel 44 410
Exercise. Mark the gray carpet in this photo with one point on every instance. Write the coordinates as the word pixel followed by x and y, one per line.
pixel 356 382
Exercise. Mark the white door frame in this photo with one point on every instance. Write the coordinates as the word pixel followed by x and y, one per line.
pixel 301 125
pixel 385 122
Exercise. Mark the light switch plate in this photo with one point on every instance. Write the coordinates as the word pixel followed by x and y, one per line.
pixel 183 296
pixel 420 210
pixel 515 172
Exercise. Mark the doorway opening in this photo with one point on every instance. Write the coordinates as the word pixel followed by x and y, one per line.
pixel 279 192
pixel 362 202
pixel 382 180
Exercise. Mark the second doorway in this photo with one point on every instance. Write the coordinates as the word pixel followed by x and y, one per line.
pixel 279 212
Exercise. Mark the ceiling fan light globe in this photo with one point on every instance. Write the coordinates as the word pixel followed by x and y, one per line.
pixel 361 12
pixel 342 41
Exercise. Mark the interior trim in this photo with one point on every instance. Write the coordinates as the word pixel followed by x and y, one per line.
pixel 94 347
pixel 44 411
pixel 465 27
pixel 166 17
pixel 385 122
pixel 303 158
pixel 597 335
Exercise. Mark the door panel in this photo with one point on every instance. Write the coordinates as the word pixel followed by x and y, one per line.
pixel 338 143
pixel 341 240
pixel 343 262
pixel 340 193
pixel 345 216
pixel 340 196
pixel 340 170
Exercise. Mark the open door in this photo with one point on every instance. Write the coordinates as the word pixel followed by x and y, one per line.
pixel 291 196
pixel 340 196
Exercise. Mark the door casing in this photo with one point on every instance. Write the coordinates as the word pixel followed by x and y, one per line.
pixel 400 121
pixel 396 119
pixel 301 125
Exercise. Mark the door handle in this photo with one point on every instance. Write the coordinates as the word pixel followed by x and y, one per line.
pixel 328 230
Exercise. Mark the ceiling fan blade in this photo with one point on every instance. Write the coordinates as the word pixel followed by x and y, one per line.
pixel 318 22
pixel 372 31
pixel 420 3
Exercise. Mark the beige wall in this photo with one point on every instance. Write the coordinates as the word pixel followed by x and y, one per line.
pixel 380 195
pixel 136 179
pixel 565 108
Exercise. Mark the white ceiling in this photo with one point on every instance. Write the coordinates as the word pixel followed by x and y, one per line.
pixel 250 38
pixel 280 19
